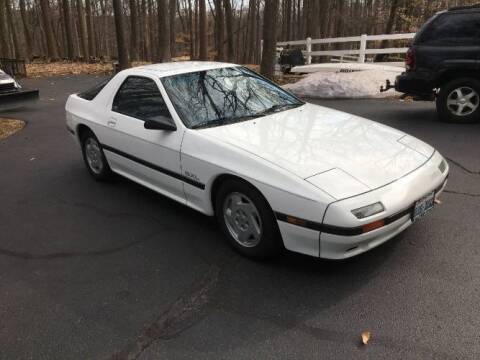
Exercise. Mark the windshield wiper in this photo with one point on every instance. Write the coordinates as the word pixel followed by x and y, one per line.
pixel 278 107
pixel 209 123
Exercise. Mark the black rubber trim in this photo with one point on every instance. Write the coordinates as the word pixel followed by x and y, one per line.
pixel 339 230
pixel 346 231
pixel 155 167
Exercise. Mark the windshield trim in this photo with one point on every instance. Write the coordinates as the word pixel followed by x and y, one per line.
pixel 246 118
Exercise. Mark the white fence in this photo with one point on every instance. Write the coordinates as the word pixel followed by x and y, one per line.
pixel 361 52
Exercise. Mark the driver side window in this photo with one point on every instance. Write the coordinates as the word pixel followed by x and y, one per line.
pixel 139 97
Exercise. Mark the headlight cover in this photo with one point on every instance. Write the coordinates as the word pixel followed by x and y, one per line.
pixel 368 210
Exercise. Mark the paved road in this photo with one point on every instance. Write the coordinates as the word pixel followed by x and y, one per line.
pixel 90 270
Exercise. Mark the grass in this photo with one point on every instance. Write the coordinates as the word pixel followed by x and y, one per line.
pixel 9 127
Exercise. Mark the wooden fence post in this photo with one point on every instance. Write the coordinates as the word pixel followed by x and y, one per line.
pixel 309 50
pixel 363 47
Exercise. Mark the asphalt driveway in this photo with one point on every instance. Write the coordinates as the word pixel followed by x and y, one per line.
pixel 91 270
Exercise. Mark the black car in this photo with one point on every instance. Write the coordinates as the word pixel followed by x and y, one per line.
pixel 444 63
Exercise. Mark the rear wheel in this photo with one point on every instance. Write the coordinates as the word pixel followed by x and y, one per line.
pixel 247 220
pixel 94 157
pixel 459 101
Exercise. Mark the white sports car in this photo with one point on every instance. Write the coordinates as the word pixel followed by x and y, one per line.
pixel 275 171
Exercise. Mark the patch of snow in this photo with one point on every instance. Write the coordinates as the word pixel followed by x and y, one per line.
pixel 337 85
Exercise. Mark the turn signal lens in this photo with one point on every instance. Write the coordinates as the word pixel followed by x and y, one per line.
pixel 296 221
pixel 368 210
pixel 443 166
pixel 372 226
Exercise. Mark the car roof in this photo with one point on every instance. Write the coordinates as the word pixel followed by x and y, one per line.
pixel 178 67
pixel 475 7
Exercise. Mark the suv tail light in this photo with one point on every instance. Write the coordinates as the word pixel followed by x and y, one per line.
pixel 410 59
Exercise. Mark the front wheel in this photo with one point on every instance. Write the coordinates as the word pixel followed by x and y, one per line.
pixel 459 101
pixel 247 220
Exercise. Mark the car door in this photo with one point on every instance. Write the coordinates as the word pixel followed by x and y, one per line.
pixel 148 156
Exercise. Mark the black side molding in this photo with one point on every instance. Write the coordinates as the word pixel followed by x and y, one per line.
pixel 155 167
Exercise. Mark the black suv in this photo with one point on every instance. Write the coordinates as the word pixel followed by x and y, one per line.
pixel 444 62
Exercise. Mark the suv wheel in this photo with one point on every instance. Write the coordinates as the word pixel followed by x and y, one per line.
pixel 459 101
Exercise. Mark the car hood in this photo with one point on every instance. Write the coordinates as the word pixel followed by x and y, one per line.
pixel 338 152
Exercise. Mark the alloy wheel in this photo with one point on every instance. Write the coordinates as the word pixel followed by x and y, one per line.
pixel 242 219
pixel 93 153
pixel 463 101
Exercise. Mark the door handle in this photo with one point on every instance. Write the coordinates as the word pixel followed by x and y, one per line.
pixel 112 122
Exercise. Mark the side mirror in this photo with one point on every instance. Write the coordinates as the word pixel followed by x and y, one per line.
pixel 162 123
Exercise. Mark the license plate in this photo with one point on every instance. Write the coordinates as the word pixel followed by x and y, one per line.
pixel 423 206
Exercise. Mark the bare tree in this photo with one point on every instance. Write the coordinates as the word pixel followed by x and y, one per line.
pixel 52 51
pixel 133 31
pixel 203 44
pixel 172 11
pixel 123 59
pixel 230 35
pixel 13 31
pixel 82 29
pixel 267 65
pixel 4 48
pixel 219 30
pixel 68 29
pixel 163 32
pixel 191 23
pixel 89 25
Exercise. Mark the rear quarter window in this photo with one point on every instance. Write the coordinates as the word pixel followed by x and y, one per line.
pixel 450 29
pixel 91 93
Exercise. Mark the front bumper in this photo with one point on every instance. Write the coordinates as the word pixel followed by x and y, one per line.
pixel 20 97
pixel 398 199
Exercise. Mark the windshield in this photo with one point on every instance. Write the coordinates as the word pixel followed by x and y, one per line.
pixel 224 96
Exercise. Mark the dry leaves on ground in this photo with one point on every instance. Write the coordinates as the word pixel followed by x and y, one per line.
pixel 62 68
pixel 365 337
pixel 9 127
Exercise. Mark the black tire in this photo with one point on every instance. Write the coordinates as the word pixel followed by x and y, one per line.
pixel 446 112
pixel 99 173
pixel 269 243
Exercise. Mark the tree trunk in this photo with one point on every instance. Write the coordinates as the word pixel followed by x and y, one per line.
pixel 252 29
pixel 152 27
pixel 219 30
pixel 288 16
pixel 4 48
pixel 123 60
pixel 13 31
pixel 172 12
pixel 26 31
pixel 203 48
pixel 388 29
pixel 146 31
pixel 191 27
pixel 90 32
pixel 133 31
pixel 105 18
pixel 68 29
pixel 239 33
pixel 230 34
pixel 82 27
pixel 52 51
pixel 163 32
pixel 267 66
